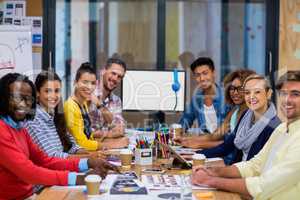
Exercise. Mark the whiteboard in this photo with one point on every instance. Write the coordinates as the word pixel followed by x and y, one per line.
pixel 15 50
pixel 152 91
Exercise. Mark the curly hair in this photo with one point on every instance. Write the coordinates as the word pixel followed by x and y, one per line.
pixel 5 82
pixel 241 74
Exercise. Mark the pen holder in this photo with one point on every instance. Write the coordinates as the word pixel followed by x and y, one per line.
pixel 143 156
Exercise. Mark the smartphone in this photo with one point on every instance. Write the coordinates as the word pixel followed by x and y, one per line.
pixel 154 171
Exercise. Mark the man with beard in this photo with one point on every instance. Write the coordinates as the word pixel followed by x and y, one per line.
pixel 106 107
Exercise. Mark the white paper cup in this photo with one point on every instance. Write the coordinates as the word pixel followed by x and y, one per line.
pixel 92 183
pixel 176 130
pixel 198 159
pixel 126 157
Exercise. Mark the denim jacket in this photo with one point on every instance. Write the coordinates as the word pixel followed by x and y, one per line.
pixel 195 110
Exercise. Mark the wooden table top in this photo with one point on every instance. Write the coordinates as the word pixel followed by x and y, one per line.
pixel 71 194
pixel 49 193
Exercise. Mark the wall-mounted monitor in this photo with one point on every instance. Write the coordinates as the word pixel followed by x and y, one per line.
pixel 146 90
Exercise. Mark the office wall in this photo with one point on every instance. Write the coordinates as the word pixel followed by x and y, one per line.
pixel 289 40
pixel 34 7
pixel 289 36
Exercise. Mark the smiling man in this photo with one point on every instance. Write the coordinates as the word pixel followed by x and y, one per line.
pixel 207 105
pixel 274 173
pixel 106 107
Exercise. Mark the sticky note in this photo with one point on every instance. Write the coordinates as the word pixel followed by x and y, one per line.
pixel 298 16
pixel 296 28
pixel 297 54
pixel 204 195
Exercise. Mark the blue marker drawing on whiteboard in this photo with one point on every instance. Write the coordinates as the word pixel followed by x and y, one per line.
pixel 21 43
pixel 7 57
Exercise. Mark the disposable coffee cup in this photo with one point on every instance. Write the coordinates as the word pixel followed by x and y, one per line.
pixel 126 157
pixel 198 159
pixel 176 130
pixel 92 183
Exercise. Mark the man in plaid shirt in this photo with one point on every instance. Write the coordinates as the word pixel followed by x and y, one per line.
pixel 106 107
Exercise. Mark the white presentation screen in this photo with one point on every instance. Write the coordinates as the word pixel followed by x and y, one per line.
pixel 152 91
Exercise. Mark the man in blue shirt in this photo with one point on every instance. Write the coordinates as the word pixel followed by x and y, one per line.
pixel 207 104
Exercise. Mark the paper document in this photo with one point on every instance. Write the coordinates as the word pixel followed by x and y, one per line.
pixel 164 182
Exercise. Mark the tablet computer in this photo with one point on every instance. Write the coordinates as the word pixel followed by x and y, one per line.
pixel 179 161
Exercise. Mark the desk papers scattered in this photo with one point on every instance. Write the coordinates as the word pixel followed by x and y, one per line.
pixel 127 183
pixel 165 182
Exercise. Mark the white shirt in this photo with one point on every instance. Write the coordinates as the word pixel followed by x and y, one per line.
pixel 210 118
pixel 272 154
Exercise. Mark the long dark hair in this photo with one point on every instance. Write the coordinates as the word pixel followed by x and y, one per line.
pixel 5 82
pixel 59 119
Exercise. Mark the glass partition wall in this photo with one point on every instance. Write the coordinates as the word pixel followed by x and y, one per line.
pixel 164 34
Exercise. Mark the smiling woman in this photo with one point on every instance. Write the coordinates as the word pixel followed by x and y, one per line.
pixel 254 127
pixel 76 109
pixel 20 156
pixel 77 112
pixel 48 128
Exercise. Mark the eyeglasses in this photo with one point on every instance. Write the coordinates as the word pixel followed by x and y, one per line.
pixel 232 89
pixel 292 93
pixel 19 98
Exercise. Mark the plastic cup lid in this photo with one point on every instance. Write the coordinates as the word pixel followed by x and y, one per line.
pixel 199 156
pixel 92 178
pixel 176 126
pixel 125 151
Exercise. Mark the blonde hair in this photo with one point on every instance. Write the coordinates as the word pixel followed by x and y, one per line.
pixel 258 77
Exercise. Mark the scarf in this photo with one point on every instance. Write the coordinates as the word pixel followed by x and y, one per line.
pixel 246 134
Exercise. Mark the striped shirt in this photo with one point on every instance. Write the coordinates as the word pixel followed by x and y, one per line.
pixel 43 132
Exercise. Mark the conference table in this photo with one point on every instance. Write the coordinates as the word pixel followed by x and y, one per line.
pixel 69 193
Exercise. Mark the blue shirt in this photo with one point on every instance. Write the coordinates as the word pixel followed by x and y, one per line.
pixel 195 110
pixel 43 132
